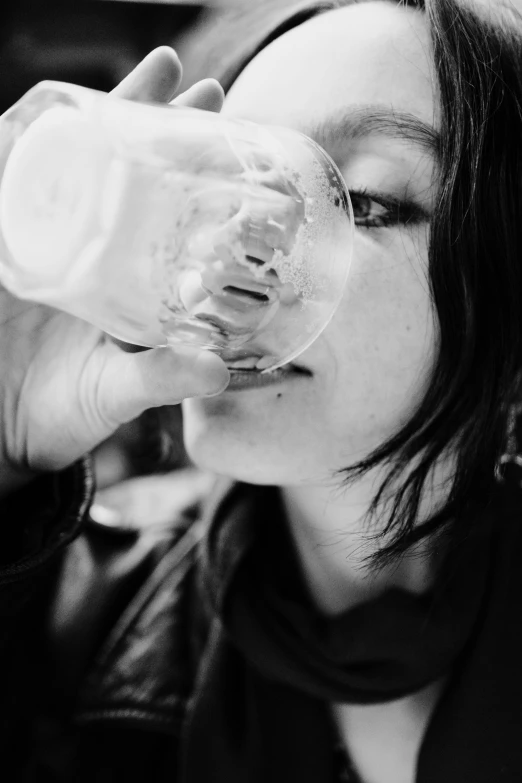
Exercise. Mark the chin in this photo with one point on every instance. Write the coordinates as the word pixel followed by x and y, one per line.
pixel 228 446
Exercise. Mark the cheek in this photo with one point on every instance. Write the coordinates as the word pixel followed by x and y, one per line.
pixel 387 300
pixel 382 336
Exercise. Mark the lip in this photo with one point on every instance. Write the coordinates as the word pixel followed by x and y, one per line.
pixel 242 380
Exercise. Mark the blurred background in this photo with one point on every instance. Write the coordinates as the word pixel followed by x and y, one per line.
pixel 97 42
pixel 90 42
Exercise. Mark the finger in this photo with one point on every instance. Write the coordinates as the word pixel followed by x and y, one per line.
pixel 207 94
pixel 156 78
pixel 133 382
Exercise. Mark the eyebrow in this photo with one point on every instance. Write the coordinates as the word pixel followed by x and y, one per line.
pixel 368 119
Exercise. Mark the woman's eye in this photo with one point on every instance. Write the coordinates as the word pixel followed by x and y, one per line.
pixel 375 211
pixel 369 213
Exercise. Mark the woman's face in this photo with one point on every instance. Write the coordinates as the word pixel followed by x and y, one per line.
pixel 354 71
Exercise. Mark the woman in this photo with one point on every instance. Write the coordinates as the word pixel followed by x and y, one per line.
pixel 357 584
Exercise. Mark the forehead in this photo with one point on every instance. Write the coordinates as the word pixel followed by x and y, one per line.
pixel 369 53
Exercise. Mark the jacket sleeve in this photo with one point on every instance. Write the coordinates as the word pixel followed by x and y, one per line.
pixel 94 624
pixel 36 523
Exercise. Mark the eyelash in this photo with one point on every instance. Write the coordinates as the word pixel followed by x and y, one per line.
pixel 398 212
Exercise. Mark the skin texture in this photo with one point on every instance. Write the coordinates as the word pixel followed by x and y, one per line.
pixel 370 365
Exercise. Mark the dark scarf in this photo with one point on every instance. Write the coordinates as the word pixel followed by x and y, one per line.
pixel 273 662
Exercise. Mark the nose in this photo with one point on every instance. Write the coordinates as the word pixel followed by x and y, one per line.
pixel 267 221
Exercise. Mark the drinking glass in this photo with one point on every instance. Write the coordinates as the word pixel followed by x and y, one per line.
pixel 166 225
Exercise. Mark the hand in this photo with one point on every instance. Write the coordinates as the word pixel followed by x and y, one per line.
pixel 64 385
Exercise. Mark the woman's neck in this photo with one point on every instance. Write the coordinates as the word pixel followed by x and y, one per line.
pixel 332 538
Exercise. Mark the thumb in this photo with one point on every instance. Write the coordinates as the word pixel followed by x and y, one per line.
pixel 130 383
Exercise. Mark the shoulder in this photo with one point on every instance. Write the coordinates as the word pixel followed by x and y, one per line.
pixel 139 543
pixel 131 529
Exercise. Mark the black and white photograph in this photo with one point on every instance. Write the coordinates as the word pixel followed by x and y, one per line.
pixel 261 391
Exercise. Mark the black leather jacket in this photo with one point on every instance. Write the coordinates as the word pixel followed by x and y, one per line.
pixel 100 638
pixel 103 630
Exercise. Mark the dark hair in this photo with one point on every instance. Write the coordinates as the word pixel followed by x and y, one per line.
pixel 475 275
pixel 475 262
